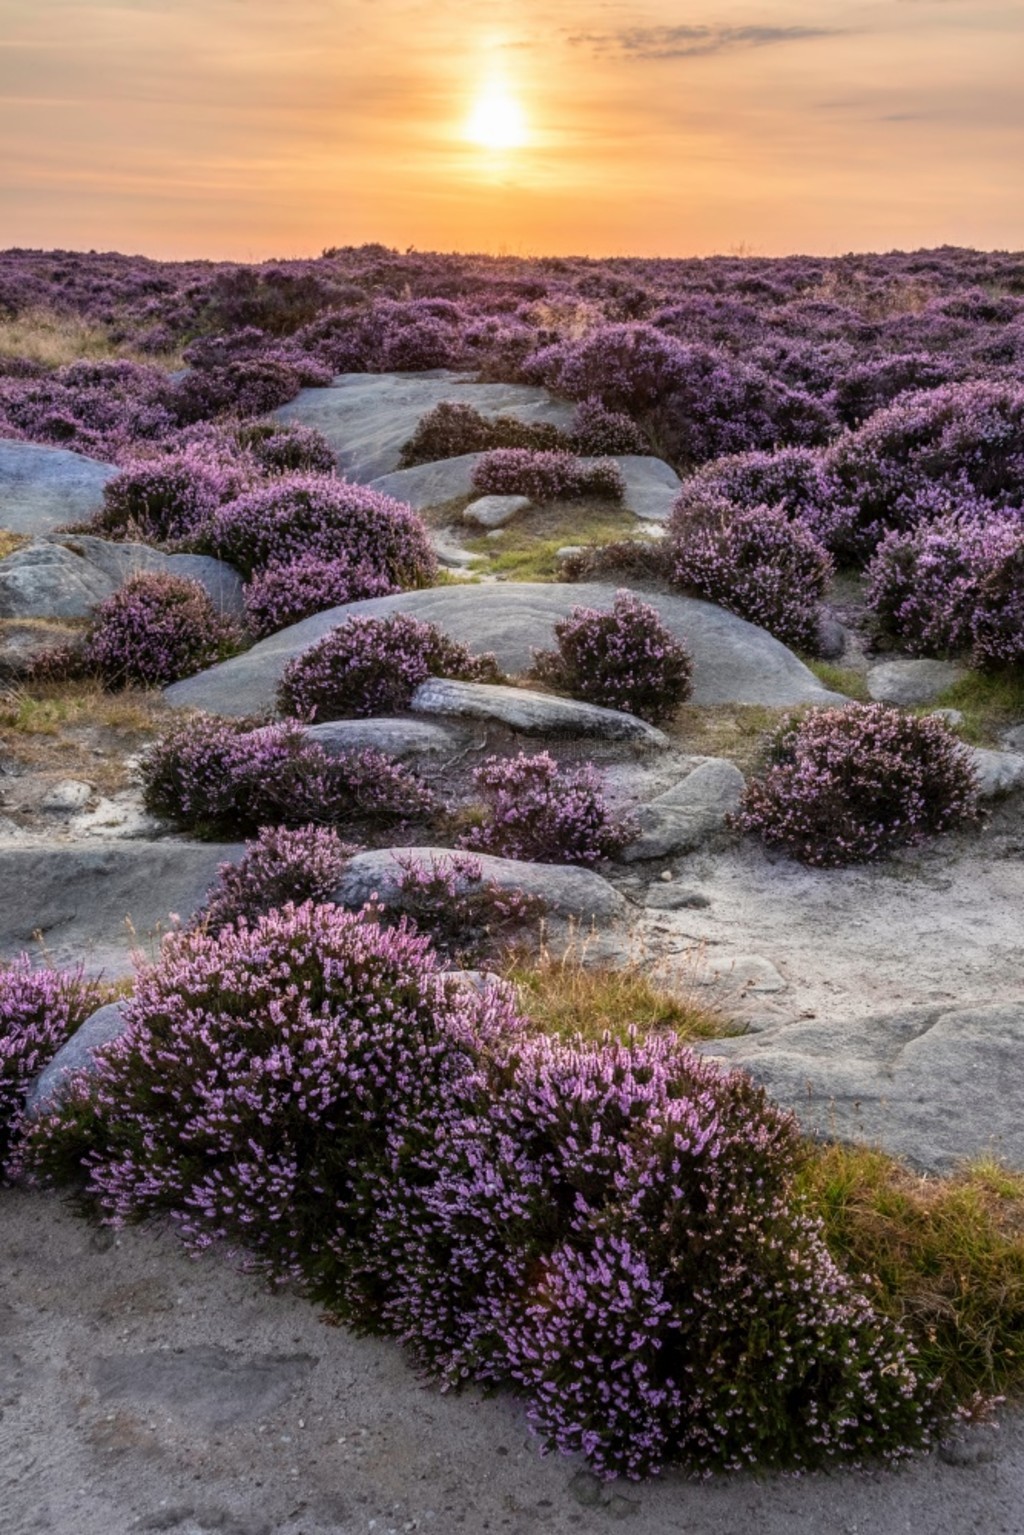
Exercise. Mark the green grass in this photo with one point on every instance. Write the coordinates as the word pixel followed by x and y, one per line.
pixel 989 702
pixel 839 679
pixel 945 1258
pixel 528 546
pixel 736 731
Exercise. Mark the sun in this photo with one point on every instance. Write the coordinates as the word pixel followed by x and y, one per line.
pixel 497 121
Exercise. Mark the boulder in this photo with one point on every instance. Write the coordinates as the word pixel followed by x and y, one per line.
pixel 428 485
pixel 690 813
pixel 652 486
pixel 120 561
pixel 495 511
pixel 43 488
pixel 48 581
pixel 397 737
pixel 911 682
pixel 936 1085
pixel 734 662
pixel 26 642
pixel 567 891
pixel 368 417
pixel 78 1054
pixel 100 902
pixel 532 714
pixel 832 637
pixel 999 773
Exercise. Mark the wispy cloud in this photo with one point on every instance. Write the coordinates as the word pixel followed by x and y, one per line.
pixel 693 42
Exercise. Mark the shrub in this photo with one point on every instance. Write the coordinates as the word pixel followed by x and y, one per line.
pixel 285 594
pixel 794 479
pixel 848 785
pixel 165 499
pixel 545 814
pixel 156 628
pixel 451 429
pixel 222 778
pixel 39 1010
pixel 282 865
pixel 597 431
pixel 373 666
pixel 464 915
pixel 246 386
pixel 753 561
pixel 323 518
pixel 547 476
pixel 622 659
pixel 285 447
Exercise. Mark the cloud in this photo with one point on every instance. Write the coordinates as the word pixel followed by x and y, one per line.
pixel 691 42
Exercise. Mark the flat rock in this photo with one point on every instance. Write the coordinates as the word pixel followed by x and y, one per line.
pixel 533 714
pixel 495 511
pixel 99 902
pixel 672 896
pixel 651 486
pixel 77 1054
pixel 734 662
pixel 208 1386
pixel 741 975
pixel 910 682
pixel 428 485
pixel 689 814
pixel 49 581
pixel 998 772
pixel 397 737
pixel 368 417
pixel 936 1085
pixel 567 890
pixel 44 488
pixel 69 794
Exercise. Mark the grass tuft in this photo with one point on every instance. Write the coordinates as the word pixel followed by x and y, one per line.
pixel 989 701
pixel 42 336
pixel 10 541
pixel 840 679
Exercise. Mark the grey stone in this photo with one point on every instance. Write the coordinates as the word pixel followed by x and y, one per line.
pixel 397 737
pixel 451 554
pixel 741 975
pixel 673 897
pixel 831 636
pixel 77 1054
pixel 531 713
pixel 651 486
pixel 428 485
pixel 367 418
pixel 972 1445
pixel 82 899
pixel 954 717
pixel 910 682
pixel 48 581
pixel 734 661
pixel 568 891
pixel 209 1386
pixel 26 642
pixel 44 488
pixel 221 581
pixel 691 813
pixel 1013 740
pixel 495 511
pixel 936 1085
pixel 69 794
pixel 999 773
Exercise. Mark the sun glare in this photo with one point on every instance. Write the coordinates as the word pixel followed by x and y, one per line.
pixel 497 121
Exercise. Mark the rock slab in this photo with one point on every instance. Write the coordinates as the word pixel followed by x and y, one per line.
pixel 43 488
pixel 689 814
pixel 911 682
pixel 397 737
pixel 207 1385
pixel 531 713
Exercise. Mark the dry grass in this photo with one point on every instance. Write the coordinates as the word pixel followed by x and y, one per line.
pixel 736 731
pixel 77 730
pixel 57 339
pixel 11 541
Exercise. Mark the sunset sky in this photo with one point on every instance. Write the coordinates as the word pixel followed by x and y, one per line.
pixel 252 128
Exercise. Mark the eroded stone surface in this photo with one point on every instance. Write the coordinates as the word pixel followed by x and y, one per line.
pixel 689 814
pixel 43 488
pixel 531 713
pixel 214 1387
pixel 910 681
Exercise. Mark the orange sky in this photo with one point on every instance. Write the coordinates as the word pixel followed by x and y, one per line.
pixel 245 128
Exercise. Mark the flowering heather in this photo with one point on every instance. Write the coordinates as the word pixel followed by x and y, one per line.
pixel 755 562
pixel 39 1010
pixel 222 778
pixel 794 479
pixel 597 431
pixel 373 666
pixel 281 865
pixel 165 499
pixel 464 915
pixel 286 447
pixel 319 516
pixel 547 476
pixel 452 428
pixel 542 813
pixel 285 594
pixel 155 629
pixel 849 785
pixel 250 386
pixel 622 659
pixel 98 408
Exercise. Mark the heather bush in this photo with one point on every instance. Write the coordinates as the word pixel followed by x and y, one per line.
pixel 165 499
pixel 465 916
pixel 286 447
pixel 373 666
pixel 222 778
pixel 547 476
pixel 451 429
pixel 597 431
pixel 246 386
pixel 156 628
pixel 849 785
pixel 283 864
pixel 325 518
pixel 542 813
pixel 622 659
pixel 285 594
pixel 755 562
pixel 39 1010
pixel 794 479
pixel 263 1080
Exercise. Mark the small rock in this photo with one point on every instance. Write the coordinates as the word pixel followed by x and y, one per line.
pixel 954 717
pixel 998 772
pixel 398 737
pixel 621 1507
pixel 531 713
pixel 831 636
pixel 969 1447
pixel 689 814
pixel 568 550
pixel 495 511
pixel 77 1054
pixel 69 794
pixel 1013 740
pixel 676 898
pixel 910 682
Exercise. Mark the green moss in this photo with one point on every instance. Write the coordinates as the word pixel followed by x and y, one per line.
pixel 528 546
pixel 988 701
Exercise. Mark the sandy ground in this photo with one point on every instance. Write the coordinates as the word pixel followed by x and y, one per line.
pixel 142 1390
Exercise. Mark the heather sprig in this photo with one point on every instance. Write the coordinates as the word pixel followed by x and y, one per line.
pixel 547 475
pixel 285 594
pixel 281 865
